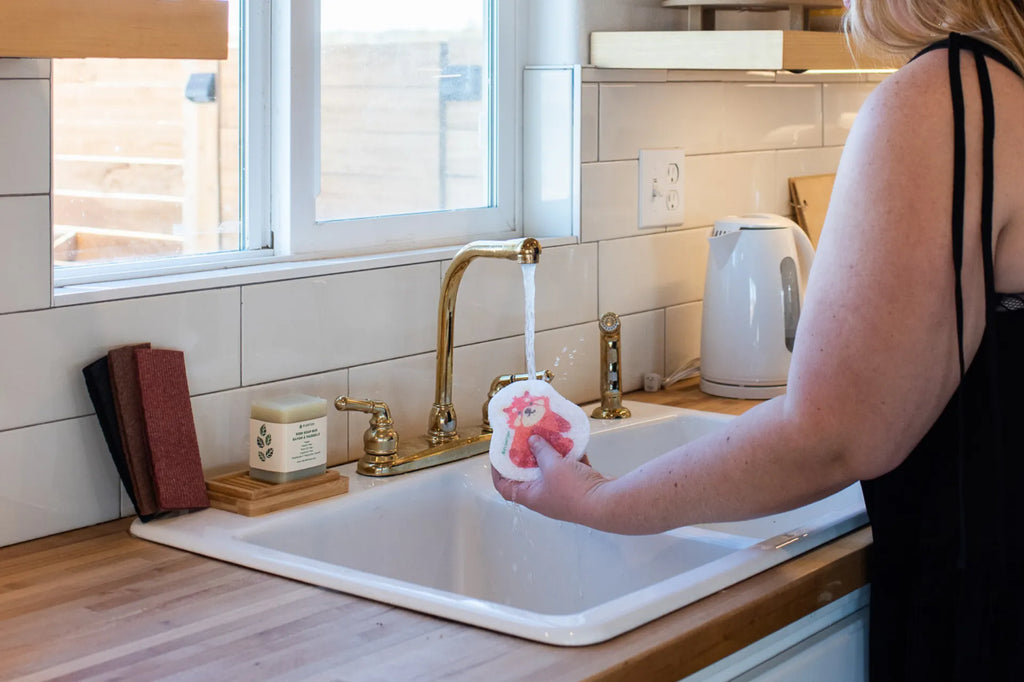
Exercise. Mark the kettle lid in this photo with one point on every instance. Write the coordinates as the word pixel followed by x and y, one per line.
pixel 752 221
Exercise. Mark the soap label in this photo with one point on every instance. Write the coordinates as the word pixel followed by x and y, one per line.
pixel 285 448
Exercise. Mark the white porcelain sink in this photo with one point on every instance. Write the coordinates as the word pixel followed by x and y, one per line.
pixel 443 541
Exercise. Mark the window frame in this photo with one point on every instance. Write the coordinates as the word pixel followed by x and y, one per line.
pixel 295 137
pixel 254 166
pixel 279 114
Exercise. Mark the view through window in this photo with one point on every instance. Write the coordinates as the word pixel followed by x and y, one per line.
pixel 146 152
pixel 145 157
pixel 405 108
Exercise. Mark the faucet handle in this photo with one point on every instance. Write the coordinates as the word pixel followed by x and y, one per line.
pixel 504 380
pixel 380 438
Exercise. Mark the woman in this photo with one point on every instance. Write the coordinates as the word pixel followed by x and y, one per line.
pixel 907 363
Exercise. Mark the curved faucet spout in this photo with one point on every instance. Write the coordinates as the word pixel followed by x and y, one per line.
pixel 442 423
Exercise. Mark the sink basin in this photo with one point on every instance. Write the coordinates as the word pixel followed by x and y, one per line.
pixel 442 541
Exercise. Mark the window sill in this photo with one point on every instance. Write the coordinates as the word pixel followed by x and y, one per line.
pixel 269 270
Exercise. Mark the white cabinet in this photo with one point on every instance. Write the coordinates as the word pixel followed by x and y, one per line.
pixel 829 644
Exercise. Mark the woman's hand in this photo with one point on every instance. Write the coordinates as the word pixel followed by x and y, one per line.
pixel 567 490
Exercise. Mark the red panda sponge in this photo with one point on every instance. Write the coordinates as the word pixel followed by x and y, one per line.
pixel 526 408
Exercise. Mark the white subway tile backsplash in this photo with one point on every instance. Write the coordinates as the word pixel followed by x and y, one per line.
pixel 490 303
pixel 25 258
pixel 405 384
pixel 682 335
pixel 318 324
pixel 588 122
pixel 643 348
pixel 762 116
pixel 706 118
pixel 57 477
pixel 574 355
pixel 45 351
pixel 476 366
pixel 841 102
pixel 609 206
pixel 655 271
pixel 718 185
pixel 25 136
pixel 222 419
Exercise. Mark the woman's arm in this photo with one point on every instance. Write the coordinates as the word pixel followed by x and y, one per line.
pixel 875 360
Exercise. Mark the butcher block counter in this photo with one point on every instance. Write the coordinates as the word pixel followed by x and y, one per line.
pixel 97 603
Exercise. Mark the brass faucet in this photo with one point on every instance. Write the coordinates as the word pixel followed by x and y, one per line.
pixel 611 370
pixel 442 443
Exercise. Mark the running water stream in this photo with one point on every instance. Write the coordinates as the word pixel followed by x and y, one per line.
pixel 529 293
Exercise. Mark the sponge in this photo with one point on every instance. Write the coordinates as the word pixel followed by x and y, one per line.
pixel 101 393
pixel 532 407
pixel 170 427
pixel 124 380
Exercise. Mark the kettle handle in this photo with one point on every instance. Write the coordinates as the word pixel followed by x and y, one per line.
pixel 805 250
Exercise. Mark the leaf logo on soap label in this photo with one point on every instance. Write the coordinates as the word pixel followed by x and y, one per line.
pixel 263 440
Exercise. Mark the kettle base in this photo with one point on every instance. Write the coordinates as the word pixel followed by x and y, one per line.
pixel 743 392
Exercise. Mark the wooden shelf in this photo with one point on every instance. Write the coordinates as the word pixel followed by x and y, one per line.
pixel 162 29
pixel 732 50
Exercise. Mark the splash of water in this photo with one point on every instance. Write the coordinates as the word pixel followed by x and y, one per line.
pixel 529 294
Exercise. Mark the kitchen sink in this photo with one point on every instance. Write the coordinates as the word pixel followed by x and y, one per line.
pixel 442 541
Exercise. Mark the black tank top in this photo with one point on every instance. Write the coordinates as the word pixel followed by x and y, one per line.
pixel 947 562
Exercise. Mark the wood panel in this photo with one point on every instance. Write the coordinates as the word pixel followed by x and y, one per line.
pixel 113 138
pixel 687 393
pixel 150 215
pixel 175 29
pixel 99 174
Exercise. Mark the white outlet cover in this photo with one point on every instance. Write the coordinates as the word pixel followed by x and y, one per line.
pixel 660 192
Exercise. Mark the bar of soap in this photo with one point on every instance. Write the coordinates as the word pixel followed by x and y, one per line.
pixel 525 408
pixel 287 438
pixel 285 409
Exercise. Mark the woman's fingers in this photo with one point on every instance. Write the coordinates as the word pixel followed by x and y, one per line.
pixel 545 455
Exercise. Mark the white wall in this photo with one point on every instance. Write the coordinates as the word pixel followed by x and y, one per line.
pixel 371 334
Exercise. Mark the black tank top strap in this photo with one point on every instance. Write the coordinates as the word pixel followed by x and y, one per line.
pixel 976 46
pixel 956 43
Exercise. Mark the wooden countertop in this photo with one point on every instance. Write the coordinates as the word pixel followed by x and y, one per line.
pixel 97 603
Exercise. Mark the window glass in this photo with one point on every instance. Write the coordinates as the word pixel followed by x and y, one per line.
pixel 405 108
pixel 145 157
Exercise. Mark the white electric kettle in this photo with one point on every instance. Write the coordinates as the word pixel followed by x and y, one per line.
pixel 757 270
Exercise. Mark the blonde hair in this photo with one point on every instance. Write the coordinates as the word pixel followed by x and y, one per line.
pixel 902 27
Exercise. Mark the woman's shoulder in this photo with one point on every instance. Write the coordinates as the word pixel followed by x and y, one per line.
pixel 911 104
pixel 918 86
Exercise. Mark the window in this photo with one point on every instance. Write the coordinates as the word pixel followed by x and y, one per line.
pixel 404 134
pixel 369 127
pixel 145 161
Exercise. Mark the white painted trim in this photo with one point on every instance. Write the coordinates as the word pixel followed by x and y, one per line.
pixel 257 271
pixel 297 188
pixel 552 113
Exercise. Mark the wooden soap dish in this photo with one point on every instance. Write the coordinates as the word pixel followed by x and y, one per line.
pixel 240 493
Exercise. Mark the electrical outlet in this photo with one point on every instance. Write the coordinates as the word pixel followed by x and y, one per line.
pixel 660 195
